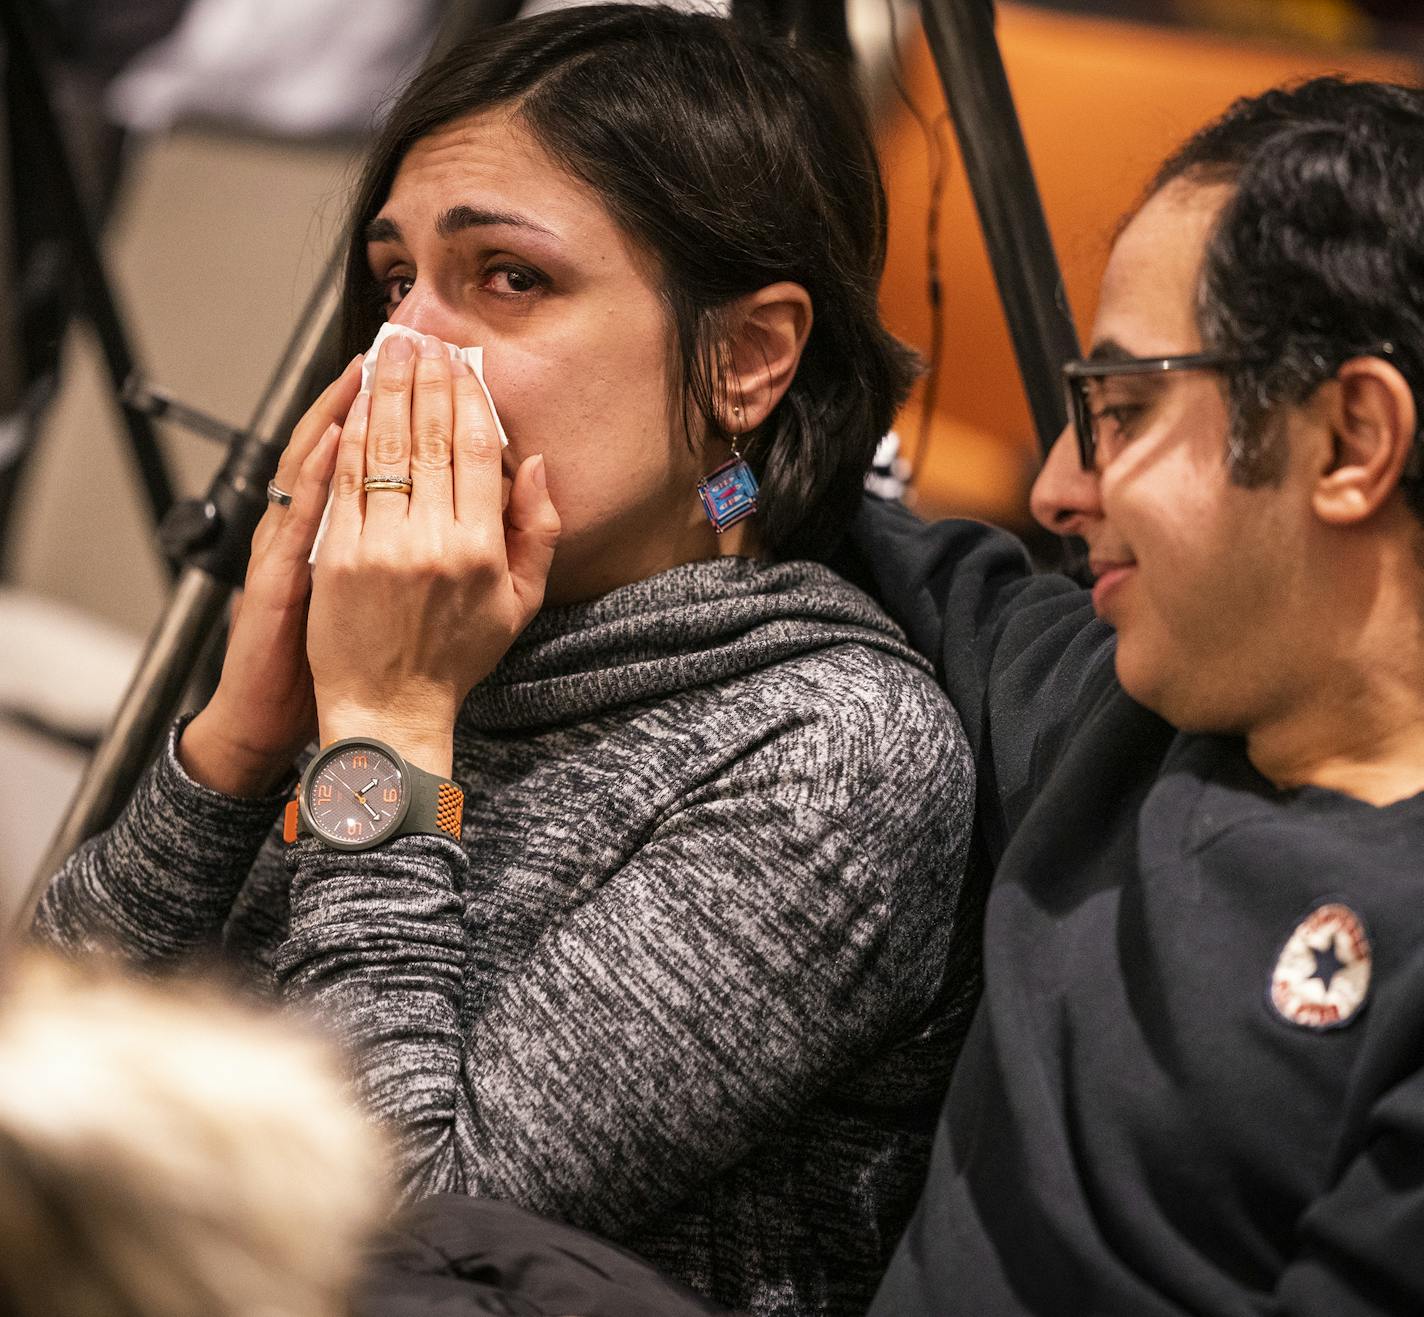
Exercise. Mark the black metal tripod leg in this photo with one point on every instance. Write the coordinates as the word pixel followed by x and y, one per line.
pixel 47 172
pixel 971 69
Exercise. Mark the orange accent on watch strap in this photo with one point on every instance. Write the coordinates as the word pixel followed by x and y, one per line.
pixel 449 809
pixel 289 823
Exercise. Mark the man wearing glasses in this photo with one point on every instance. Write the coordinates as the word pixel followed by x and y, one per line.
pixel 1195 1083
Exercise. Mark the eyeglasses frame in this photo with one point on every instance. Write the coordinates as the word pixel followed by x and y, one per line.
pixel 1076 375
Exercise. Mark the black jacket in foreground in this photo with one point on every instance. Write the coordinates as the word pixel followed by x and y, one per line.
pixel 1194 1083
pixel 455 1256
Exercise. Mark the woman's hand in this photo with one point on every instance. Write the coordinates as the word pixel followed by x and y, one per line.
pixel 417 596
pixel 264 711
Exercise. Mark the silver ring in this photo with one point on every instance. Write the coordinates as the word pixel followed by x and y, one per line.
pixel 399 484
pixel 278 496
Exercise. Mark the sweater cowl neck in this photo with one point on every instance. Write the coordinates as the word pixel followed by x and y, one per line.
pixel 691 626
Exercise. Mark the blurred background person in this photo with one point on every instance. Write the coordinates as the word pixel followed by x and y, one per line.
pixel 167 1152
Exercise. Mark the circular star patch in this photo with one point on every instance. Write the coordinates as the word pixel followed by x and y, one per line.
pixel 1323 974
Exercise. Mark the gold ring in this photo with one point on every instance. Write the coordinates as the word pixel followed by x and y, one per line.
pixel 399 484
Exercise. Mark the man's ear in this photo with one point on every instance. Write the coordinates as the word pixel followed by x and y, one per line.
pixel 767 331
pixel 1372 420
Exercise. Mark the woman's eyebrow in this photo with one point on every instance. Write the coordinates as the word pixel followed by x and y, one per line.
pixel 381 229
pixel 455 220
pixel 458 218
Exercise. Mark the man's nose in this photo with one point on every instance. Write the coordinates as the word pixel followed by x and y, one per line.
pixel 1064 496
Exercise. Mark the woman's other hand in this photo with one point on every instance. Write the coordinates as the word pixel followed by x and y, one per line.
pixel 417 596
pixel 264 711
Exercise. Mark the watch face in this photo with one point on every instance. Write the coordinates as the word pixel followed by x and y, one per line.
pixel 356 796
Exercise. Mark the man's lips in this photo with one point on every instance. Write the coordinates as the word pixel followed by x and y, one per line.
pixel 1107 576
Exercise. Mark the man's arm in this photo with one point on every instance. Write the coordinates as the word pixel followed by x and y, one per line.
pixel 1359 1252
pixel 1021 655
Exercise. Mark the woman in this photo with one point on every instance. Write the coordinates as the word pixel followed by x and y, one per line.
pixel 683 974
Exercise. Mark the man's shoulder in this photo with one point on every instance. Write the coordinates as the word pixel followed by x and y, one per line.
pixel 968 597
pixel 882 528
pixel 915 568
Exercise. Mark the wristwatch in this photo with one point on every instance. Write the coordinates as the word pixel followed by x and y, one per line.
pixel 358 793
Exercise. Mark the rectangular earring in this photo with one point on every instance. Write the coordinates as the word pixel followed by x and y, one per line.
pixel 729 494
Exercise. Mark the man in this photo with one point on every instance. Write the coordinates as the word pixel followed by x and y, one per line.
pixel 1195 1083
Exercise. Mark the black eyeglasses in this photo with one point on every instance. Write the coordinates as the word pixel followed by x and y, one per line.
pixel 1078 375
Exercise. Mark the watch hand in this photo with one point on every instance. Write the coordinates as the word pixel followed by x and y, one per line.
pixel 361 796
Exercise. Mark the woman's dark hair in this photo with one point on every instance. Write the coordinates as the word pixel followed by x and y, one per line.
pixel 1317 256
pixel 738 161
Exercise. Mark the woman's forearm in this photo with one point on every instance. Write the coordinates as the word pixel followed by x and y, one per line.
pixel 377 947
pixel 160 883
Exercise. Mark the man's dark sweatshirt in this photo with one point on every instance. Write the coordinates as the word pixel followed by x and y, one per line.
pixel 1195 1083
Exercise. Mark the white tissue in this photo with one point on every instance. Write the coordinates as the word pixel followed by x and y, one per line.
pixel 472 357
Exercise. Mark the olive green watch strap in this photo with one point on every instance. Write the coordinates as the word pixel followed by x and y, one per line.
pixel 436 805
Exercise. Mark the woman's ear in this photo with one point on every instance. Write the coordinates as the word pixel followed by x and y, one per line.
pixel 1372 420
pixel 767 331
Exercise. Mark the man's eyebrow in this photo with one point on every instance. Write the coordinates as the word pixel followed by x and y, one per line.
pixel 1108 349
pixel 455 220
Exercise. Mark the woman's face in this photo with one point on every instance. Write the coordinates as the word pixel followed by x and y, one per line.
pixel 486 241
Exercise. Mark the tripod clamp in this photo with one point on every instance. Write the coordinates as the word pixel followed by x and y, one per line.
pixel 199 530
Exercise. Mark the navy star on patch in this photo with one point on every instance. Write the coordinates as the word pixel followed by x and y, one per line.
pixel 1327 964
pixel 1322 975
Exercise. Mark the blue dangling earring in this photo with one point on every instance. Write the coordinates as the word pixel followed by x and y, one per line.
pixel 729 494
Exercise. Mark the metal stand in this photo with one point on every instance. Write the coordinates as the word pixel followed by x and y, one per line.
pixel 976 88
pixel 966 53
pixel 218 529
pixel 48 202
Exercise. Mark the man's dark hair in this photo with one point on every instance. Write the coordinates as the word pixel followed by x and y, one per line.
pixel 737 161
pixel 1317 256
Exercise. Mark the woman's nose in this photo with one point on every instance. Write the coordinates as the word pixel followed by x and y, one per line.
pixel 1065 496
pixel 423 312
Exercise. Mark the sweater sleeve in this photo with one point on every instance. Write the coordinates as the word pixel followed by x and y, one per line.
pixel 743 957
pixel 159 884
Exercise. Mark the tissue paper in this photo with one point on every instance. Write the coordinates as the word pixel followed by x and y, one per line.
pixel 472 357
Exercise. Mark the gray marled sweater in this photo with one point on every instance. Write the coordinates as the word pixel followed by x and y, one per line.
pixel 688 979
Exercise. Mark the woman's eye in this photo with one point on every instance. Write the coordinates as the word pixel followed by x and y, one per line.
pixel 394 287
pixel 511 281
